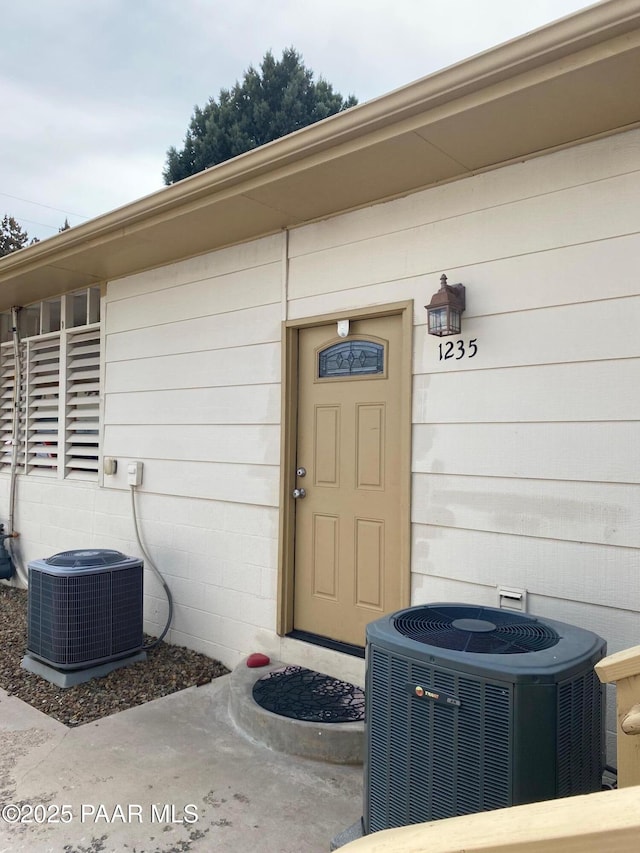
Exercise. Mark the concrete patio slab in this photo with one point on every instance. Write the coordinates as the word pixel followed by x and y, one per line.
pixel 172 775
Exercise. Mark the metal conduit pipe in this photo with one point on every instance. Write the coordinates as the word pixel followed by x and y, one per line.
pixel 156 571
pixel 15 445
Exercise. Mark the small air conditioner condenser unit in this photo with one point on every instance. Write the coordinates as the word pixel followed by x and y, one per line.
pixel 85 607
pixel 474 708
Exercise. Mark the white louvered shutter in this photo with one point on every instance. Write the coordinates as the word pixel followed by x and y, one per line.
pixel 83 402
pixel 7 396
pixel 43 378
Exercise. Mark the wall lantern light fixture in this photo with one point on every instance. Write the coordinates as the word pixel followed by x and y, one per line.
pixel 444 312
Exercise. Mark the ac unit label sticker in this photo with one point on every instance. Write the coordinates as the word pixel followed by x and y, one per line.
pixel 438 696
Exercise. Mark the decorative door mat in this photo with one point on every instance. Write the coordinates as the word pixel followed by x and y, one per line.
pixel 302 694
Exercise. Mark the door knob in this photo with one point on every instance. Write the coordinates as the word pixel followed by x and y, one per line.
pixel 298 493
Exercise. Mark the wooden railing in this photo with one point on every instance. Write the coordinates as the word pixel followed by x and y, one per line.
pixel 623 669
pixel 605 822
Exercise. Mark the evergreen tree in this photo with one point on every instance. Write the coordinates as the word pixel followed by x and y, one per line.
pixel 276 100
pixel 12 236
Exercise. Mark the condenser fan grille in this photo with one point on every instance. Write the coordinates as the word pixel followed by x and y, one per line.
pixel 84 559
pixel 477 630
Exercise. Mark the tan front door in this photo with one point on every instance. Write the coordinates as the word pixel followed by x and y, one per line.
pixel 348 561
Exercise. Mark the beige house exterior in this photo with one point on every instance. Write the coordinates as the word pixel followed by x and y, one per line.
pixel 510 460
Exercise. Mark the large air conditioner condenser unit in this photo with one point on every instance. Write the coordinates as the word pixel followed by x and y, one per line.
pixel 85 608
pixel 475 708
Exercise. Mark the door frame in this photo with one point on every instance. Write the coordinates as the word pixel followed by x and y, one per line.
pixel 288 447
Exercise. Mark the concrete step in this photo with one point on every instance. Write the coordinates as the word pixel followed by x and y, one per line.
pixel 338 743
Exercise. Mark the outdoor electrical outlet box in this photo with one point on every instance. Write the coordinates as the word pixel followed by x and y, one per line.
pixel 134 473
pixel 110 465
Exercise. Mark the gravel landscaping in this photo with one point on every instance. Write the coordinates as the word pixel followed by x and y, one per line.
pixel 167 669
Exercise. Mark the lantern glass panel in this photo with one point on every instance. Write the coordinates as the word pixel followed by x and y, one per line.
pixel 437 320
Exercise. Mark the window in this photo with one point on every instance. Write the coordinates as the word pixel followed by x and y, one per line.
pixel 59 423
pixel 351 358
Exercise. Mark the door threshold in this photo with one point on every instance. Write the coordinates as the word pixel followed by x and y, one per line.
pixel 327 643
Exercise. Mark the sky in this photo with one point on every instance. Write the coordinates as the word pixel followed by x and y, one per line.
pixel 94 92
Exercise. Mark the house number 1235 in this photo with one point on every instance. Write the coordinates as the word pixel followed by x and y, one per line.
pixel 457 349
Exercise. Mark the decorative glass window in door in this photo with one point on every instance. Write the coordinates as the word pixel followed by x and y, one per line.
pixel 351 358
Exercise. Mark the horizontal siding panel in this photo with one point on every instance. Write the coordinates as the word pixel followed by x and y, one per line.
pixel 249 365
pixel 233 292
pixel 582 164
pixel 584 273
pixel 601 513
pixel 426 589
pixel 600 574
pixel 599 452
pixel 578 215
pixel 250 444
pixel 619 628
pixel 239 328
pixel 589 272
pixel 368 295
pixel 514 284
pixel 259 404
pixel 587 332
pixel 220 263
pixel 255 484
pixel 581 391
